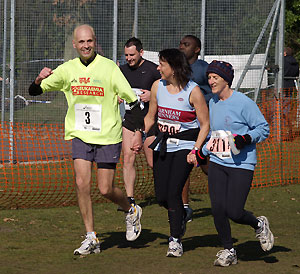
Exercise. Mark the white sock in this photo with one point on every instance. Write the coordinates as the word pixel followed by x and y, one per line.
pixel 176 239
pixel 91 234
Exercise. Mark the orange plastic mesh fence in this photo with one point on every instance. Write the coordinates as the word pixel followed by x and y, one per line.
pixel 37 168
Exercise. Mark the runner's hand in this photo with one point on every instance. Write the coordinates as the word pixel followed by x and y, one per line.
pixel 242 140
pixel 137 143
pixel 120 101
pixel 45 72
pixel 191 158
pixel 145 96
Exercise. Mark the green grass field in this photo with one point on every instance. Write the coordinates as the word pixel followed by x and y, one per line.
pixel 43 240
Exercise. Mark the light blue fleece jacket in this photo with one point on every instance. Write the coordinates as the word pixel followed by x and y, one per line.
pixel 240 115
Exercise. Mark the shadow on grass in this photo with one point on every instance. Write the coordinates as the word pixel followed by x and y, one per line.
pixel 148 202
pixel 196 199
pixel 117 239
pixel 201 212
pixel 248 251
pixel 192 243
pixel 251 251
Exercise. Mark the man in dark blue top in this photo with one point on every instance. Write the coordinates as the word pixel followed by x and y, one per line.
pixel 190 45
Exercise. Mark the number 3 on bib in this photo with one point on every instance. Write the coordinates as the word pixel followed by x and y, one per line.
pixel 88 117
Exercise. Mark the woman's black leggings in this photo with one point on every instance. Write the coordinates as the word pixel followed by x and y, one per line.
pixel 170 174
pixel 228 191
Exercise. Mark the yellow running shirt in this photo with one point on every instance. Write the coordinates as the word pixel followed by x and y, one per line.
pixel 91 91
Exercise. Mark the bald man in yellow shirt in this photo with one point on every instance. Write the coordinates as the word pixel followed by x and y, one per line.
pixel 91 84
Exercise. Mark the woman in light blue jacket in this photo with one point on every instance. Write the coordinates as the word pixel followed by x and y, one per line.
pixel 236 126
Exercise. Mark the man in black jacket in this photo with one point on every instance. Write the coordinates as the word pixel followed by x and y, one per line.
pixel 291 69
pixel 291 72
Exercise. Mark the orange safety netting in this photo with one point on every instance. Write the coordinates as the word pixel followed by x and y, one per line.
pixel 37 168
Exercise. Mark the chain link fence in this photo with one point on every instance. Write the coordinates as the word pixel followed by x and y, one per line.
pixel 41 171
pixel 43 37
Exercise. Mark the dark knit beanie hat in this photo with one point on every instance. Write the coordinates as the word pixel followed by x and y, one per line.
pixel 223 69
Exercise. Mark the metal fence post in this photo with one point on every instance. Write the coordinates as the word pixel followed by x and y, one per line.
pixel 4 61
pixel 12 82
pixel 115 31
pixel 281 46
pixel 135 22
pixel 203 12
pixel 274 24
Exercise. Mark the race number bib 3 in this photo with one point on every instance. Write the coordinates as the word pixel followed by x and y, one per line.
pixel 218 144
pixel 88 117
pixel 138 92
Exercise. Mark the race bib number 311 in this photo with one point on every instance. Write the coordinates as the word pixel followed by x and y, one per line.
pixel 88 117
pixel 218 144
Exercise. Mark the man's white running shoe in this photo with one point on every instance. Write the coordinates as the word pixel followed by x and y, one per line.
pixel 90 245
pixel 175 248
pixel 264 234
pixel 226 258
pixel 133 223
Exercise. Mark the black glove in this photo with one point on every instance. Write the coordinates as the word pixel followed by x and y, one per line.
pixel 137 115
pixel 201 158
pixel 242 140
